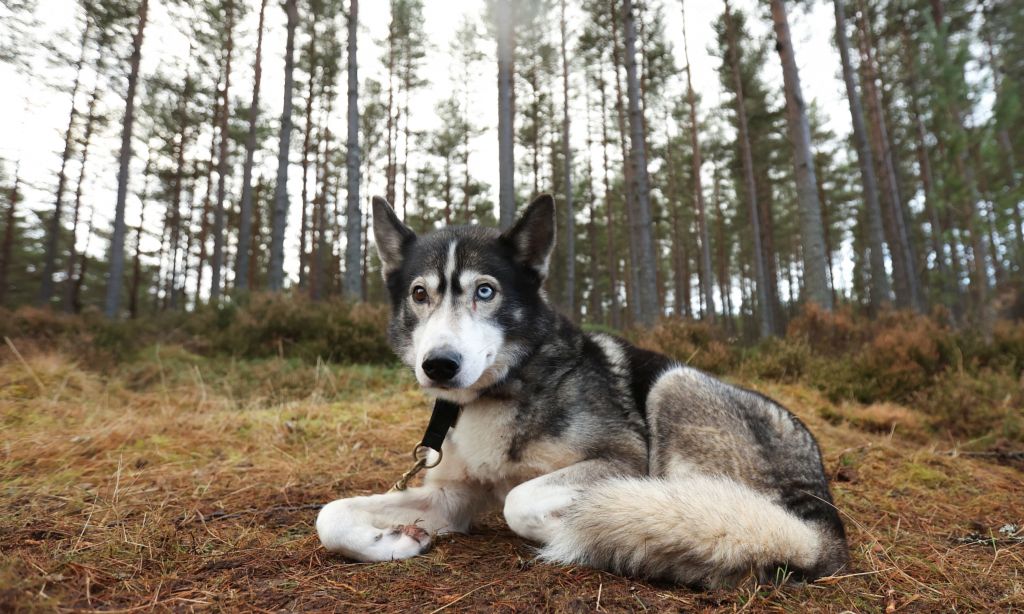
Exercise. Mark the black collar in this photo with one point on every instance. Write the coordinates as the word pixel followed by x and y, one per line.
pixel 443 418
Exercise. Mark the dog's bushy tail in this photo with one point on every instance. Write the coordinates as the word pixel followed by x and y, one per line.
pixel 706 531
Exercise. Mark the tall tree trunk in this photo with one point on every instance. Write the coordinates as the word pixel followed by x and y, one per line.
pixel 949 286
pixel 275 276
pixel 766 316
pixel 570 212
pixel 629 195
pixel 307 138
pixel 594 314
pixel 353 217
pixel 116 259
pixel 54 229
pixel 170 292
pixel 133 288
pixel 90 125
pixel 407 88
pixel 641 224
pixel 318 287
pixel 724 280
pixel 7 246
pixel 966 171
pixel 880 288
pixel 707 283
pixel 245 213
pixel 83 269
pixel 613 256
pixel 257 234
pixel 217 262
pixel 391 171
pixel 826 224
pixel 506 161
pixel 812 233
pixel 908 293
pixel 681 277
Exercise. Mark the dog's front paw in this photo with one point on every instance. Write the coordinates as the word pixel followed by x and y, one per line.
pixel 402 542
pixel 355 536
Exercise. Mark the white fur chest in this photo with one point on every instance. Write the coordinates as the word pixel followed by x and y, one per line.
pixel 480 442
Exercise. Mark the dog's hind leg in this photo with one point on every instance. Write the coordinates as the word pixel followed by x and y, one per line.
pixel 395 525
pixel 535 508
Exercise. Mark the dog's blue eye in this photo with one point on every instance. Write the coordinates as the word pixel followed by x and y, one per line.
pixel 485 292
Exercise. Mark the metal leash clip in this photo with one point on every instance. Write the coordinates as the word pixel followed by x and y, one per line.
pixel 419 465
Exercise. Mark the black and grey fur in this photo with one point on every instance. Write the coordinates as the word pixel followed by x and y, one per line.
pixel 605 454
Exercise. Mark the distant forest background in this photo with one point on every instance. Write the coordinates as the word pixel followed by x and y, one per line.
pixel 737 213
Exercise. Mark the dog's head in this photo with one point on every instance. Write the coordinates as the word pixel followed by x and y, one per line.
pixel 464 299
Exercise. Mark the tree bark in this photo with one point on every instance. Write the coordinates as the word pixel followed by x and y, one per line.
pixel 594 312
pixel 392 124
pixel 307 138
pixel 706 281
pixel 880 288
pixel 275 277
pixel 570 212
pixel 133 292
pixel 245 213
pixel 76 297
pixel 908 293
pixel 812 233
pixel 170 293
pixel 353 217
pixel 116 259
pixel 629 195
pixel 217 262
pixel 766 316
pixel 54 228
pixel 613 256
pixel 724 280
pixel 90 125
pixel 506 161
pixel 7 246
pixel 965 169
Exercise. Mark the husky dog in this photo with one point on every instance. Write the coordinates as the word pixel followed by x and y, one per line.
pixel 605 454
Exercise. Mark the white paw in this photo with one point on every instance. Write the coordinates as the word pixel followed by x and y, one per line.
pixel 352 534
pixel 400 542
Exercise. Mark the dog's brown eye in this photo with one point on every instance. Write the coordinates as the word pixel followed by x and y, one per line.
pixel 419 294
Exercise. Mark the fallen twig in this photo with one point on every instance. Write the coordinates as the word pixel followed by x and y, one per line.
pixel 252 511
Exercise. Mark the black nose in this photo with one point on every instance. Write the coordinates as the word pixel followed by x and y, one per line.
pixel 441 366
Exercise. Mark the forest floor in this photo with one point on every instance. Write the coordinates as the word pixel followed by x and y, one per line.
pixel 176 482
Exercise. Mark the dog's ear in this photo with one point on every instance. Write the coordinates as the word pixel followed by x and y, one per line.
pixel 533 236
pixel 390 235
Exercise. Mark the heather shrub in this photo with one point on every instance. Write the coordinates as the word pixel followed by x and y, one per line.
pixel 777 359
pixel 293 326
pixel 828 333
pixel 697 344
pixel 987 404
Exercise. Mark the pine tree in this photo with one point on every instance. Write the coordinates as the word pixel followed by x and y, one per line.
pixel 880 289
pixel 353 216
pixel 245 215
pixel 698 190
pixel 217 261
pixel 812 233
pixel 766 315
pixel 55 227
pixel 116 259
pixel 504 28
pixel 275 275
pixel 647 294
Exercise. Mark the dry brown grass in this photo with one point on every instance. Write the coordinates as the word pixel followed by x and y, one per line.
pixel 179 483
